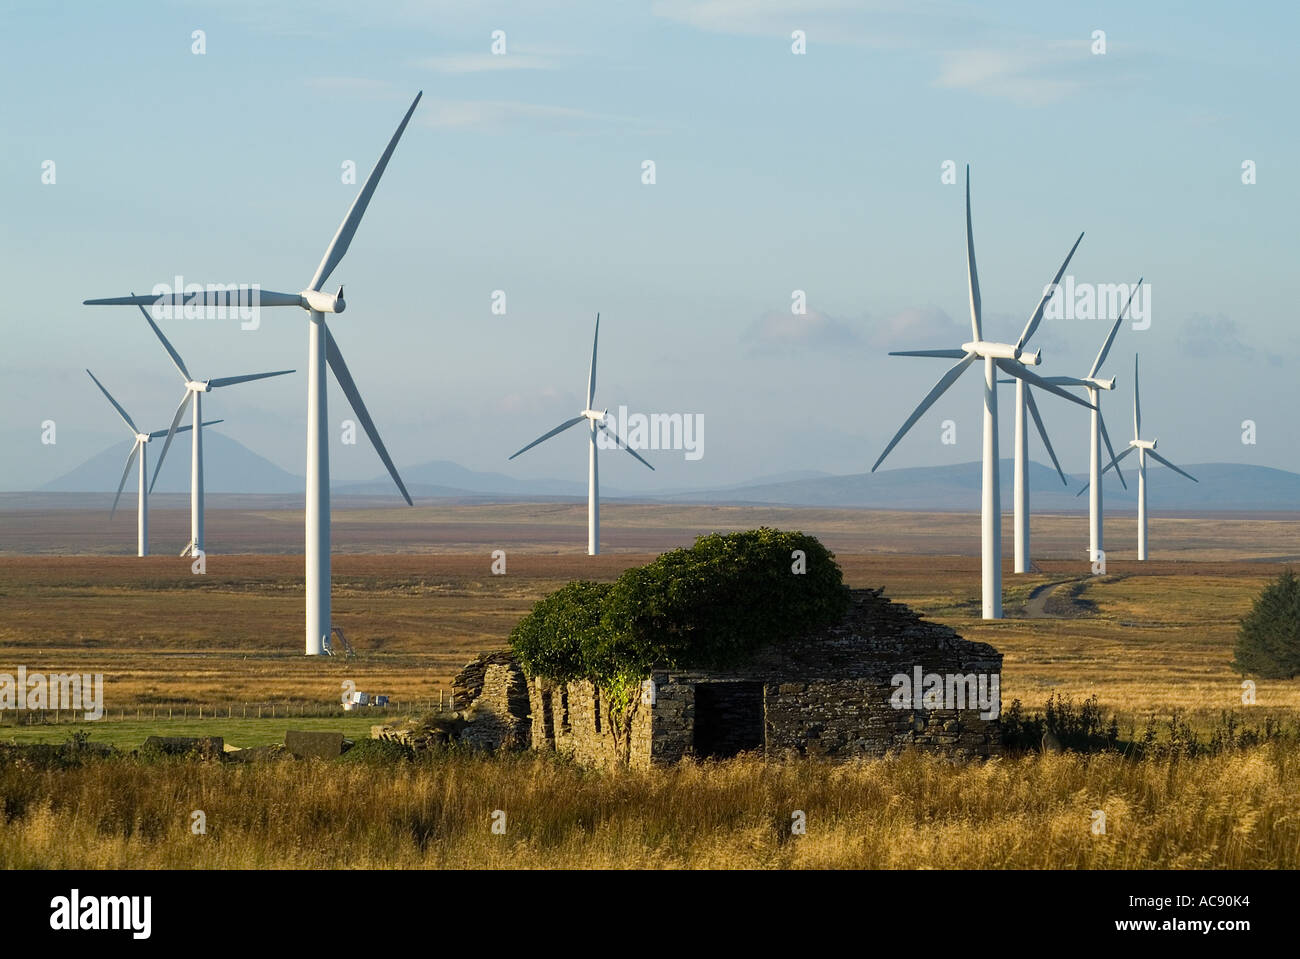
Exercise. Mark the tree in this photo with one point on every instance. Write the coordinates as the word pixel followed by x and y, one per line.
pixel 1268 643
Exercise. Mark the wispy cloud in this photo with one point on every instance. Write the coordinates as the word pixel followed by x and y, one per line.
pixel 970 52
pixel 916 328
pixel 502 115
pixel 364 87
pixel 768 17
pixel 1029 77
pixel 780 331
pixel 461 63
pixel 1217 337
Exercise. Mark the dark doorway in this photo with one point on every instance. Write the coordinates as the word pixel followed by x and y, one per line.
pixel 728 719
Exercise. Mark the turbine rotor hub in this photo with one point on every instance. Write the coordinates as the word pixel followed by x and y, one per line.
pixel 1002 351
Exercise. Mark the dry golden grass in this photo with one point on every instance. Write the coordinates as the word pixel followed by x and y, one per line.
pixel 1234 810
pixel 1147 639
pixel 1153 637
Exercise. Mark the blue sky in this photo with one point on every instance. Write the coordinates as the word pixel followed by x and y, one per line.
pixel 774 172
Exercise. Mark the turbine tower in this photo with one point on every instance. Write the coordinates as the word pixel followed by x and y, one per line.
pixel 321 349
pixel 595 421
pixel 1144 449
pixel 1025 401
pixel 1098 432
pixel 140 447
pixel 1012 360
pixel 194 390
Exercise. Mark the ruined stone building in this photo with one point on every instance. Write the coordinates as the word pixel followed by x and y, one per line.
pixel 834 693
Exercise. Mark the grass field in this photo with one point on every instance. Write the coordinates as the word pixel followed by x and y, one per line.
pixel 1149 640
pixel 1145 639
pixel 131 733
pixel 1235 810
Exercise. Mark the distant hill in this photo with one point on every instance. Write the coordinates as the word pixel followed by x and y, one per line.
pixel 228 467
pixel 1221 486
pixel 445 478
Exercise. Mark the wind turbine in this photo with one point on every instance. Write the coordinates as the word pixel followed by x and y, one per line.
pixel 1144 449
pixel 1024 401
pixel 321 348
pixel 595 420
pixel 194 390
pixel 1012 360
pixel 140 446
pixel 1098 432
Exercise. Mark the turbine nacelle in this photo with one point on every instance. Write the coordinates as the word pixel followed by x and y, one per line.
pixel 198 386
pixel 1100 383
pixel 596 416
pixel 319 302
pixel 1143 444
pixel 1003 351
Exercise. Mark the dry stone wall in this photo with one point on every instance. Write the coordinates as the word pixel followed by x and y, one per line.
pixel 830 695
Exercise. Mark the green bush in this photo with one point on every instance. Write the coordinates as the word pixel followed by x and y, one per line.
pixel 552 640
pixel 1268 643
pixel 706 606
pixel 377 751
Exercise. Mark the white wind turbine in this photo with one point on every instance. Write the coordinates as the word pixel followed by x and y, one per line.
pixel 321 348
pixel 1098 432
pixel 194 390
pixel 595 420
pixel 1024 402
pixel 1144 449
pixel 1010 359
pixel 139 447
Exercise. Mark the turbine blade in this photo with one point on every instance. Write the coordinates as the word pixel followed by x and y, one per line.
pixel 245 296
pixel 171 432
pixel 343 238
pixel 1019 371
pixel 1137 403
pixel 546 436
pixel 1042 304
pixel 972 275
pixel 1065 381
pixel 943 354
pixel 1112 464
pixel 1042 431
pixel 116 405
pixel 591 378
pixel 939 389
pixel 1101 422
pixel 176 357
pixel 1154 455
pixel 182 429
pixel 1105 347
pixel 349 387
pixel 232 380
pixel 618 439
pixel 135 448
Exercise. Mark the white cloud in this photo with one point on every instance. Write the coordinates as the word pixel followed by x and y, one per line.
pixel 754 17
pixel 459 63
pixel 782 331
pixel 917 328
pixel 1030 78
pixel 500 115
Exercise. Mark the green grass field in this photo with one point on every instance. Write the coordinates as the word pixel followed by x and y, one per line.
pixel 131 733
